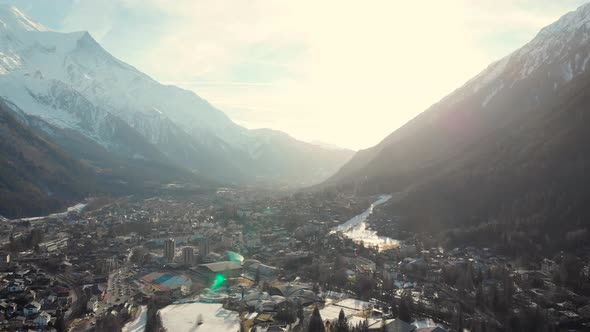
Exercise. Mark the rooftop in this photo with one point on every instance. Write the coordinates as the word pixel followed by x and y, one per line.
pixel 222 266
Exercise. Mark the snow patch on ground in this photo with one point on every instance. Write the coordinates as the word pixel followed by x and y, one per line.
pixel 183 317
pixel 489 75
pixel 138 325
pixel 489 97
pixel 585 62
pixel 568 72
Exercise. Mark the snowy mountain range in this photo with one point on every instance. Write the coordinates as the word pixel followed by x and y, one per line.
pixel 69 82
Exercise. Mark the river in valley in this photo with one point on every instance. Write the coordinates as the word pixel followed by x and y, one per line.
pixel 356 228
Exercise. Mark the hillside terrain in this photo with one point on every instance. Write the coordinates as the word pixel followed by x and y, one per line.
pixel 36 176
pixel 71 82
pixel 507 152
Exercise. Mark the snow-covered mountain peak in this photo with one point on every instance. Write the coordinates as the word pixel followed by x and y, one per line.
pixel 27 47
pixel 14 19
pixel 71 82
pixel 557 54
pixel 564 41
pixel 569 22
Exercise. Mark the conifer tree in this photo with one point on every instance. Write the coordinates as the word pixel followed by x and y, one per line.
pixel 316 324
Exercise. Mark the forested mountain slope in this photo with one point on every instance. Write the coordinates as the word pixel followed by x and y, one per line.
pixel 508 153
pixel 36 176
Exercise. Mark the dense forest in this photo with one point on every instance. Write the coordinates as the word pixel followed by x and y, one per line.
pixel 36 176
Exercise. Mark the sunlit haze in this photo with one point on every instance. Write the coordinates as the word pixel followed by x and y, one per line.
pixel 265 165
pixel 341 72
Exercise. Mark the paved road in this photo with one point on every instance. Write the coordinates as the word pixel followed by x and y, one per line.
pixel 76 293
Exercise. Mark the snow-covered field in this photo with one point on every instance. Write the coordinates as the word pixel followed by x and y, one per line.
pixel 350 307
pixel 138 325
pixel 427 322
pixel 354 304
pixel 183 317
pixel 332 312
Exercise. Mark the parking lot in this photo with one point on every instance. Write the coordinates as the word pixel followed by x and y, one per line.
pixel 119 290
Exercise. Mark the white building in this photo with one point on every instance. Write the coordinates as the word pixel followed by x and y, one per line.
pixel 43 319
pixel 31 309
pixel 92 304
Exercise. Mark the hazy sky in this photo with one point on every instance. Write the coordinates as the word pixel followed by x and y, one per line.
pixel 342 72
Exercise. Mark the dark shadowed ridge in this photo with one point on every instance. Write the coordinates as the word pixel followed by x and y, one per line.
pixel 511 144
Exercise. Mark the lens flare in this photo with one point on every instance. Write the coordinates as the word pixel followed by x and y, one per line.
pixel 219 280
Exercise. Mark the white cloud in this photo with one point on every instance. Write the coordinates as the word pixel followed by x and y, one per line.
pixel 92 16
pixel 362 69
